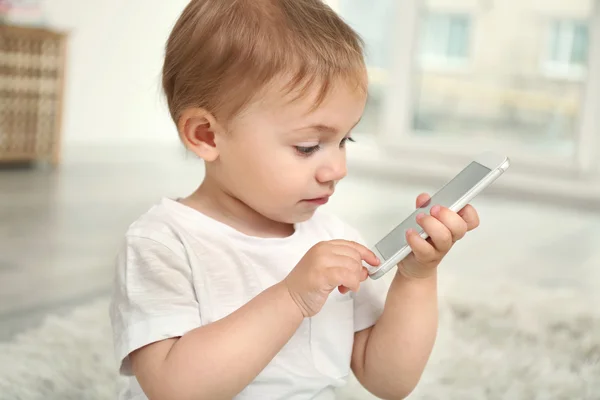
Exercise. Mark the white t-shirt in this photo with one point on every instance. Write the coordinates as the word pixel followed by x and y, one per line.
pixel 180 269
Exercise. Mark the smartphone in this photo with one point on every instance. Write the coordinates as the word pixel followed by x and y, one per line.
pixel 455 195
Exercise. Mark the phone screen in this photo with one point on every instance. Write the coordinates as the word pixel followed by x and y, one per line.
pixel 447 196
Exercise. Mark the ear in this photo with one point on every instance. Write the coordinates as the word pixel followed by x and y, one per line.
pixel 197 130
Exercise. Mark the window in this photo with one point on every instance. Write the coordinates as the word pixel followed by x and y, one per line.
pixel 445 40
pixel 567 49
pixel 501 99
pixel 453 77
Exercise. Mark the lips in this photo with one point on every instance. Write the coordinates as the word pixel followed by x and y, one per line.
pixel 319 200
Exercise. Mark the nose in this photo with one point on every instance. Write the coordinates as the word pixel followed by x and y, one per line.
pixel 334 169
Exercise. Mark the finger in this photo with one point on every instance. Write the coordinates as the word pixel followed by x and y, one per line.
pixel 340 276
pixel 349 263
pixel 422 200
pixel 343 289
pixel 454 222
pixel 424 251
pixel 439 234
pixel 363 277
pixel 471 217
pixel 353 265
pixel 365 254
pixel 347 251
pixel 364 274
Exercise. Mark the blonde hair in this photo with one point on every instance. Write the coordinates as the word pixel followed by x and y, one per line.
pixel 222 53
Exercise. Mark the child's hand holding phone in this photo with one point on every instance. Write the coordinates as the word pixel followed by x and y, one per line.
pixel 444 228
pixel 447 216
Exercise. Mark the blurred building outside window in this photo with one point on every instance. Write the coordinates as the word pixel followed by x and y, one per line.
pixel 567 54
pixel 456 76
pixel 445 40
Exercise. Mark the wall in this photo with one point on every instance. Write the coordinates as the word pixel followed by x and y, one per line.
pixel 115 56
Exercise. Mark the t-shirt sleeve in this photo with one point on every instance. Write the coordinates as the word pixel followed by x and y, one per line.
pixel 153 299
pixel 370 299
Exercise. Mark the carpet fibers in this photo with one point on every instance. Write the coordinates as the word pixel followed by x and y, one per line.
pixel 494 342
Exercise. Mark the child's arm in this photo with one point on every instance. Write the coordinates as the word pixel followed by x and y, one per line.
pixel 389 358
pixel 219 360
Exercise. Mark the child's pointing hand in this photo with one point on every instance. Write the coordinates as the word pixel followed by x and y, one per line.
pixel 325 267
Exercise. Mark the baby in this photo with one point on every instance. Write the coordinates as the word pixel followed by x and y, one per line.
pixel 244 289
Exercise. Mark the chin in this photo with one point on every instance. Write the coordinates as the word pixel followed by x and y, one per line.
pixel 304 216
pixel 293 218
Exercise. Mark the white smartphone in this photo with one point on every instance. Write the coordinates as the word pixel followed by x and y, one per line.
pixel 455 195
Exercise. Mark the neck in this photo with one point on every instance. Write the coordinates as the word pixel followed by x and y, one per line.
pixel 214 201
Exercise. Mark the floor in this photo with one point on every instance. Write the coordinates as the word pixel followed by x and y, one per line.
pixel 60 229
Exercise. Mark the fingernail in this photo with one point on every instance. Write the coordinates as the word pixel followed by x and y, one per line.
pixel 435 210
pixel 420 216
pixel 410 232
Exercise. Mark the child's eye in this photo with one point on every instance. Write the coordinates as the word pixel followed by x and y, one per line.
pixel 306 151
pixel 347 139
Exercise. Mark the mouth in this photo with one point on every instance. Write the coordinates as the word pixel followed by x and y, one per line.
pixel 319 200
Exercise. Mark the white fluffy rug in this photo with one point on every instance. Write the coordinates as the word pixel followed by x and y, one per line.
pixel 494 342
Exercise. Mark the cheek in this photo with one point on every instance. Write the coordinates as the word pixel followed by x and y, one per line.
pixel 281 176
pixel 282 172
pixel 261 170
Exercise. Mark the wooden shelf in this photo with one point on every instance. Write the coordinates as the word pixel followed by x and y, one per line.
pixel 32 75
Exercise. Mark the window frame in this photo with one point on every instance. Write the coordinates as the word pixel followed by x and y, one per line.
pixel 588 150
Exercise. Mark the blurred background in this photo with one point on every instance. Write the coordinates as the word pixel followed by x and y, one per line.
pixel 87 145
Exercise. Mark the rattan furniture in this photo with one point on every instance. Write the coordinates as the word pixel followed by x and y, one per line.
pixel 32 70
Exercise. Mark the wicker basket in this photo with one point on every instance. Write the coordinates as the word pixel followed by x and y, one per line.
pixel 32 66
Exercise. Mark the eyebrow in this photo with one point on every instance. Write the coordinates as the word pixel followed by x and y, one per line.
pixel 326 129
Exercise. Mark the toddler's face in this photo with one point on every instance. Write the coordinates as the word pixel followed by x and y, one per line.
pixel 283 160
